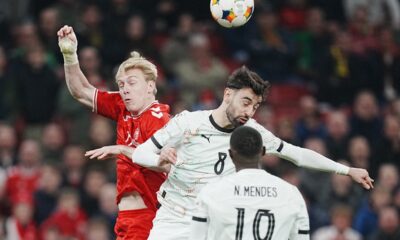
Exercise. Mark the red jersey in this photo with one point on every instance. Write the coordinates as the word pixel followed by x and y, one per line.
pixel 133 130
pixel 21 183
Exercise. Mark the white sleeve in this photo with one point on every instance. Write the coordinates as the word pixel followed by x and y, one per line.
pixel 200 220
pixel 301 227
pixel 147 154
pixel 300 156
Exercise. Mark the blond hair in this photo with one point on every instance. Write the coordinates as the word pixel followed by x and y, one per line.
pixel 138 61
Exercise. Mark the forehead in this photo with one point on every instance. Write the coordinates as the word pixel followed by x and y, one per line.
pixel 248 93
pixel 134 73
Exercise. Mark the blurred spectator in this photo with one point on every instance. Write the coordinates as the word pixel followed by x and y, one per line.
pixel 5 86
pixel 53 142
pixel 95 179
pixel 338 135
pixel 380 12
pixel 8 146
pixel 25 37
pixel 293 14
pixel 90 31
pixel 97 230
pixel 51 233
pixel 313 181
pixel 37 89
pixel 285 130
pixel 340 228
pixel 388 149
pixel 389 225
pixel 90 62
pixel 365 119
pixel 45 198
pixel 73 163
pixel 334 9
pixel 366 218
pixel 69 218
pixel 177 47
pixel 390 57
pixel 22 180
pixel 359 154
pixel 271 48
pixel 388 177
pixel 201 71
pixel 313 44
pixel 100 132
pixel 49 23
pixel 340 190
pixel 309 125
pixel 108 206
pixel 20 225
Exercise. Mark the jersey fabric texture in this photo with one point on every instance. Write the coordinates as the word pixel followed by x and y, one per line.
pixel 252 204
pixel 202 156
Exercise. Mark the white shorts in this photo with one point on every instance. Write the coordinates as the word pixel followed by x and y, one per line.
pixel 169 226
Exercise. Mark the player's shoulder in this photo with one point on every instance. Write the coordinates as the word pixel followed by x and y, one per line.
pixel 192 118
pixel 254 124
pixel 156 112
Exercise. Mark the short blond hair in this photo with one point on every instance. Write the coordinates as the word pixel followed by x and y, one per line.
pixel 138 61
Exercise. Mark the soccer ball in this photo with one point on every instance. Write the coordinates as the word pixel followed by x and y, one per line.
pixel 231 13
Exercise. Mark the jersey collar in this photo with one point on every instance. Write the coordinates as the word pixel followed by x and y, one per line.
pixel 145 109
pixel 225 130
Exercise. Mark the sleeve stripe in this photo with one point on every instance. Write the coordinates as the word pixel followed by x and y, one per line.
pixel 154 140
pixel 94 101
pixel 280 147
pixel 198 219
pixel 305 232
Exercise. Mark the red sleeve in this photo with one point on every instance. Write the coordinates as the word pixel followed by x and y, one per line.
pixel 107 104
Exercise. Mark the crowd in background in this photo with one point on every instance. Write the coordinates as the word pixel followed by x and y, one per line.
pixel 334 66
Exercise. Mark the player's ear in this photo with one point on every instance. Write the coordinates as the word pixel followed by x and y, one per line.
pixel 151 85
pixel 263 151
pixel 227 95
pixel 230 153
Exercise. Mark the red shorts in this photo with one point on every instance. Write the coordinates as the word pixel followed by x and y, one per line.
pixel 134 224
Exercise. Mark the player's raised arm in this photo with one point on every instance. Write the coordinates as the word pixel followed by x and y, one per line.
pixel 77 83
pixel 307 158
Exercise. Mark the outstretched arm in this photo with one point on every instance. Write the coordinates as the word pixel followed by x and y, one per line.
pixel 310 159
pixel 77 83
pixel 114 150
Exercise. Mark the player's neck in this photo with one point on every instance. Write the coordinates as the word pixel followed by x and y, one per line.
pixel 252 166
pixel 220 117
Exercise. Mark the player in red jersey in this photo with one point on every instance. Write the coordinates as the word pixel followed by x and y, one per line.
pixel 138 116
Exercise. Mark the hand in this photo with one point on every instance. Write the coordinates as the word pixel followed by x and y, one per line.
pixel 104 152
pixel 67 40
pixel 362 177
pixel 167 156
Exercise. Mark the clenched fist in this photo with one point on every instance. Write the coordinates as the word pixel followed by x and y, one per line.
pixel 68 44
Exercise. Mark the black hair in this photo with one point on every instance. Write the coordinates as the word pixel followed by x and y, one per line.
pixel 246 141
pixel 244 78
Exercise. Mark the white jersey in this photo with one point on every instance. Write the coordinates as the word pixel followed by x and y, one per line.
pixel 252 204
pixel 202 156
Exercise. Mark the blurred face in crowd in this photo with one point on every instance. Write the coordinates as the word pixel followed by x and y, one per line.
pixel 101 132
pixel 315 21
pixel 50 179
pixel 392 128
pixel 89 60
pixel 337 125
pixel 135 28
pixel 8 138
pixel 91 16
pixel 365 106
pixel 241 105
pixel 29 153
pixel 359 152
pixel 107 199
pixel 53 137
pixel 48 21
pixel 388 176
pixel 73 157
pixel 389 220
pixel 135 90
pixel 341 218
pixel 23 212
pixel 95 180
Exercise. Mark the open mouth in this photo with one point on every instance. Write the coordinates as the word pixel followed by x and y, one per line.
pixel 243 120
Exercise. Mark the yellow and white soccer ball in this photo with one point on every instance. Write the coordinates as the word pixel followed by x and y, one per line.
pixel 231 13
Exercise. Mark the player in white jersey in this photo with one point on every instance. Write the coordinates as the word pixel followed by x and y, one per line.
pixel 251 203
pixel 201 140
